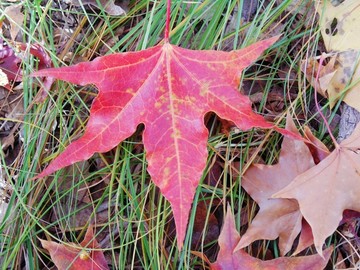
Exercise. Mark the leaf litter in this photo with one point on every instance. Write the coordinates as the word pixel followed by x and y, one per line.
pixel 319 158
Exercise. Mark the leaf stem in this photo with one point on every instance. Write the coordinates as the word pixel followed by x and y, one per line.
pixel 322 58
pixel 167 24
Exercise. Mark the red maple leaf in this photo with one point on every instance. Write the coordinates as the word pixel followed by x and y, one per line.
pixel 229 259
pixel 86 255
pixel 169 89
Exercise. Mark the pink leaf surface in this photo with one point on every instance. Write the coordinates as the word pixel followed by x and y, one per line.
pixel 10 61
pixel 77 257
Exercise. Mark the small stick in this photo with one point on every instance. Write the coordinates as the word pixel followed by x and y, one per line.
pixel 322 58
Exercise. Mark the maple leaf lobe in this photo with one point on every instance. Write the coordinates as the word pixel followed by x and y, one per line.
pixel 276 217
pixel 168 89
pixel 72 257
pixel 331 184
pixel 230 259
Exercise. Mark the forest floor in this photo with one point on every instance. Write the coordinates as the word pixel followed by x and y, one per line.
pixel 113 191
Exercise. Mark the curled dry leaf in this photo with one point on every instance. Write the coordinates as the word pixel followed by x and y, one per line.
pixel 327 189
pixel 170 90
pixel 338 78
pixel 71 256
pixel 108 6
pixel 15 18
pixel 277 218
pixel 9 65
pixel 229 259
pixel 318 149
pixel 11 58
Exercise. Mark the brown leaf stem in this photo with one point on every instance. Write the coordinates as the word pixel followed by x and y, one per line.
pixel 322 58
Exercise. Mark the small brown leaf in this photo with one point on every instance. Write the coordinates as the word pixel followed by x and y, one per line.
pixel 15 17
pixel 109 6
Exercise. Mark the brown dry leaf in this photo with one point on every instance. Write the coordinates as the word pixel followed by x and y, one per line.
pixel 336 76
pixel 319 152
pixel 11 112
pixel 276 217
pixel 66 182
pixel 318 149
pixel 15 18
pixel 229 259
pixel 81 213
pixel 108 6
pixel 340 262
pixel 327 189
pixel 340 24
pixel 82 209
pixel 204 221
pixel 306 238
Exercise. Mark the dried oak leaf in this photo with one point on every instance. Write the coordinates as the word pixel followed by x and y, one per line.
pixel 327 189
pixel 276 217
pixel 169 89
pixel 71 256
pixel 229 259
